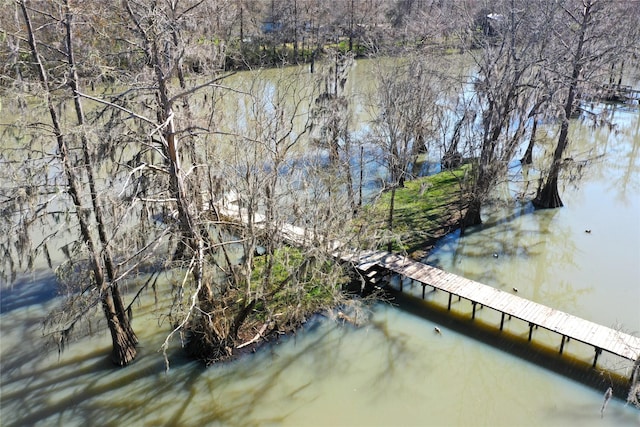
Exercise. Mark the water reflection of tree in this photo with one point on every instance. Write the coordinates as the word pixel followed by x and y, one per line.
pixel 396 351
pixel 257 390
pixel 521 252
pixel 626 182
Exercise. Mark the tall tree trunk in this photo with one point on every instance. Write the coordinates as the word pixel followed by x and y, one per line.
pixel 124 349
pixel 205 342
pixel 548 196
pixel 351 19
pixel 527 158
pixel 390 219
pixel 347 171
pixel 123 336
pixel 295 31
pixel 452 158
pixel 472 215
pixel 360 184
pixel 621 75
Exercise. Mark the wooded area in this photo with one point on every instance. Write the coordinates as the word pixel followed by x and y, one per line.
pixel 130 156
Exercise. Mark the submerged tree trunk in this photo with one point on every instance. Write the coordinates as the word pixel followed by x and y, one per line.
pixel 527 158
pixel 452 157
pixel 124 340
pixel 472 216
pixel 548 196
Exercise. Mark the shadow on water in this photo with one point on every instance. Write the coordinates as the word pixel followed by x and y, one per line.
pixel 28 291
pixel 87 387
pixel 521 250
pixel 506 217
pixel 517 345
pixel 81 384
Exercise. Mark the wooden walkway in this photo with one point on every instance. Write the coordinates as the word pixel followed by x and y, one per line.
pixel 568 326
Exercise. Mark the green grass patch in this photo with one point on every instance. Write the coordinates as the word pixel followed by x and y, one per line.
pixel 425 209
pixel 297 283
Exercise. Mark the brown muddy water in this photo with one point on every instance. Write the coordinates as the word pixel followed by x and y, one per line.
pixel 395 370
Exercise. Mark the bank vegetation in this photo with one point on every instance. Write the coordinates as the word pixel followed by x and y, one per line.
pixel 122 150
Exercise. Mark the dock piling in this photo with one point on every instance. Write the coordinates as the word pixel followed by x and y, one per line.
pixel 536 315
pixel 595 359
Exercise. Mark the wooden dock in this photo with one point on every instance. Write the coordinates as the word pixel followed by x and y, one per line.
pixel 371 263
pixel 569 327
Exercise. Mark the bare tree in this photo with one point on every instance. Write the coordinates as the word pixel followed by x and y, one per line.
pixel 255 164
pixel 82 199
pixel 589 37
pixel 175 139
pixel 405 103
pixel 331 116
pixel 290 210
pixel 507 97
pixel 143 174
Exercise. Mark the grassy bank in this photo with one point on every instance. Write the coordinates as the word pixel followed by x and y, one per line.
pixel 425 210
pixel 284 288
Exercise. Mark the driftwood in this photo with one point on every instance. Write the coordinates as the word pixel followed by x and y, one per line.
pixel 256 338
pixel 346 318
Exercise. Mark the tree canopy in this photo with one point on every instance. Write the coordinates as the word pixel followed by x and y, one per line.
pixel 122 157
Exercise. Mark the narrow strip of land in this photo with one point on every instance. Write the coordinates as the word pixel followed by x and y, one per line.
pixel 602 338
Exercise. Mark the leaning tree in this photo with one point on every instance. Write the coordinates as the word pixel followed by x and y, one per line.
pixel 56 191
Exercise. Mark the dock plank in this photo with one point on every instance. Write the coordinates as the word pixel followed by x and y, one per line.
pixel 578 329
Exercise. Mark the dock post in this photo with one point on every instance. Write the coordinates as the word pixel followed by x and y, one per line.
pixel 401 280
pixel 424 285
pixel 595 359
pixel 530 330
pixel 473 315
pixel 502 321
pixel 449 305
pixel 562 343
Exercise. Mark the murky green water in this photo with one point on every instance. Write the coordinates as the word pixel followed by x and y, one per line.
pixel 395 370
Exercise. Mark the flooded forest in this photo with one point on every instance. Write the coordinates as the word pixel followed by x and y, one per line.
pixel 181 180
